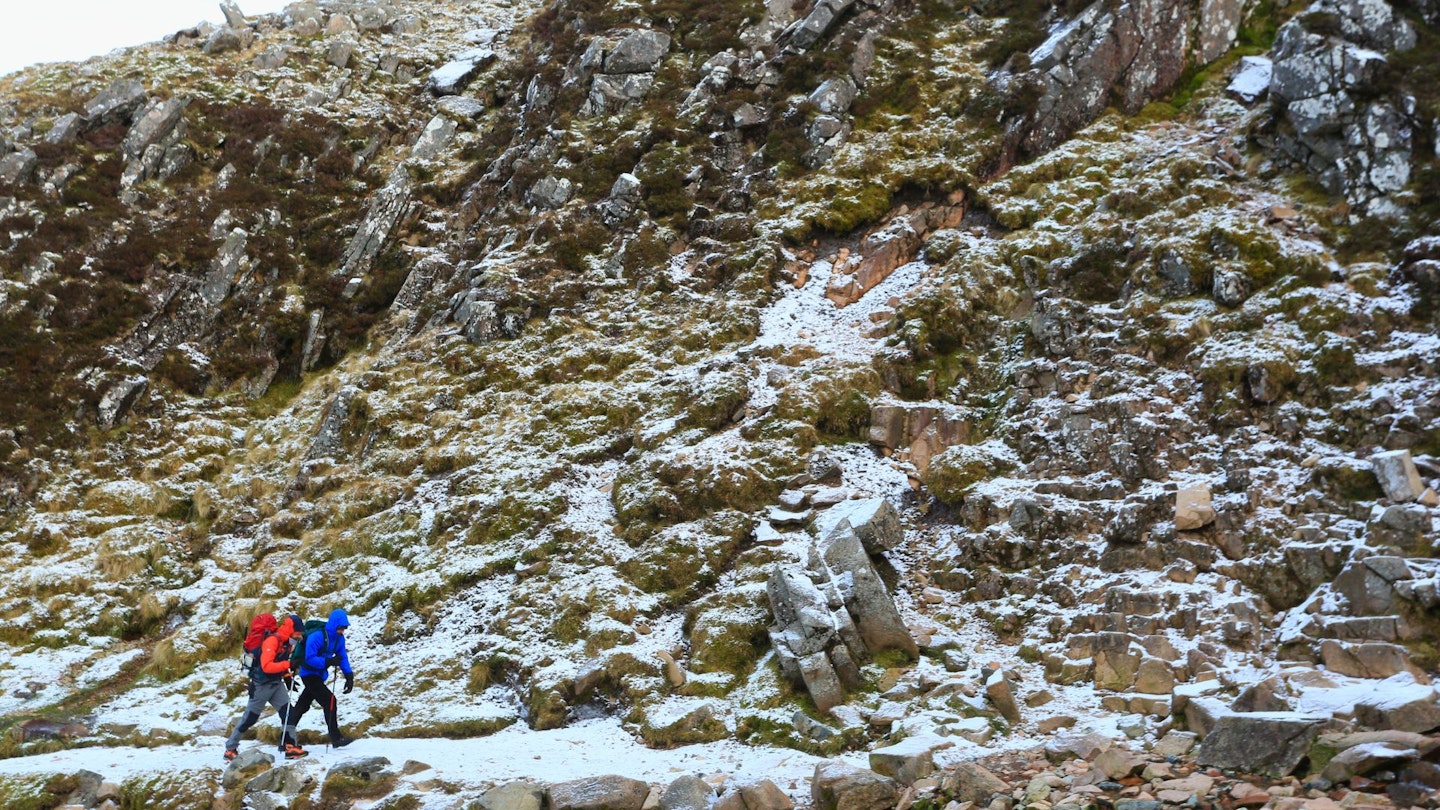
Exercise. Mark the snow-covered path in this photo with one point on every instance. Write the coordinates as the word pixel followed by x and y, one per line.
pixel 589 748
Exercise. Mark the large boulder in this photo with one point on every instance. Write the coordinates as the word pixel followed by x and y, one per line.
pixel 1401 704
pixel 909 760
pixel 815 642
pixel 639 52
pixel 608 792
pixel 1368 660
pixel 455 75
pixel 874 520
pixel 1270 743
pixel 1396 472
pixel 972 782
pixel 514 796
pixel 1368 585
pixel 115 103
pixel 841 786
pixel 687 793
pixel 1193 509
pixel 764 795
pixel 868 599
pixel 1361 759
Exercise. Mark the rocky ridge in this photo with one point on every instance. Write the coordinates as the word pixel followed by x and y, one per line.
pixel 436 312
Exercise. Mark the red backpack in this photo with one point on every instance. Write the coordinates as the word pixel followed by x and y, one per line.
pixel 260 627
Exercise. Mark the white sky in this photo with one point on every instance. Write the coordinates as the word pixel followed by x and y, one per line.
pixel 72 30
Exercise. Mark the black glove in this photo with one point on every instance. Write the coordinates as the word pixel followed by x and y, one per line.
pixel 349 683
pixel 333 662
pixel 289 683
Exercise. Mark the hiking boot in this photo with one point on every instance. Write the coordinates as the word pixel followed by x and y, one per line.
pixel 230 754
pixel 295 752
pixel 341 741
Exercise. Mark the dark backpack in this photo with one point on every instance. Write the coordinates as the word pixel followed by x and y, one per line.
pixel 260 627
pixel 297 655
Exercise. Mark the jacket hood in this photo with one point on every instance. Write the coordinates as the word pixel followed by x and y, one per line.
pixel 337 620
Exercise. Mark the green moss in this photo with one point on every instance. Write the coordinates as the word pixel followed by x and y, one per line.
pixel 571 247
pixel 718 398
pixel 35 792
pixel 453 729
pixel 955 471
pixel 172 791
pixel 1348 479
pixel 695 728
pixel 763 730
pixel 728 632
pixel 344 787
pixel 860 205
pixel 546 708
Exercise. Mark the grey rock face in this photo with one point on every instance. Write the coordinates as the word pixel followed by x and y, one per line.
pixel 339 53
pixel 153 125
pixel 116 102
pixel 234 17
pixel 599 793
pixel 1365 758
pixel 227 266
pixel 64 130
pixel 362 768
pixel 813 637
pixel 455 75
pixel 550 192
pixel 875 521
pixel 436 135
pixel 764 795
pixel 1356 147
pixel 460 107
pixel 18 167
pixel 613 93
pixel 1139 49
pixel 329 437
pixel 287 780
pixel 841 786
pixel 639 52
pixel 624 198
pixel 866 598
pixel 810 30
pixel 1369 585
pixel 386 207
pixel 480 318
pixel 1370 660
pixel 1260 742
pixel 272 57
pixel 835 95
pixel 118 400
pixel 1230 286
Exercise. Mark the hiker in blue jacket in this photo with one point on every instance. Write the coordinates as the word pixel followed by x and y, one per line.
pixel 324 650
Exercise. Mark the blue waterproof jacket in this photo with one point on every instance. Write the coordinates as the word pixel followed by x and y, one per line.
pixel 322 648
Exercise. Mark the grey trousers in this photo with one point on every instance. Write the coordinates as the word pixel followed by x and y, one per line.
pixel 274 694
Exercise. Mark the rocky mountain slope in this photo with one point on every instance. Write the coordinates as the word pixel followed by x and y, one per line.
pixel 808 375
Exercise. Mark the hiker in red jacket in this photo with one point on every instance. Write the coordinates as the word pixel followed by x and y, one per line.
pixel 270 679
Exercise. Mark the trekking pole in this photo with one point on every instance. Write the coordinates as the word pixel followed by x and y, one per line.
pixel 334 706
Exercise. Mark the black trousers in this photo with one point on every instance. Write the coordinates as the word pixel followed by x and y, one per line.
pixel 317 692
